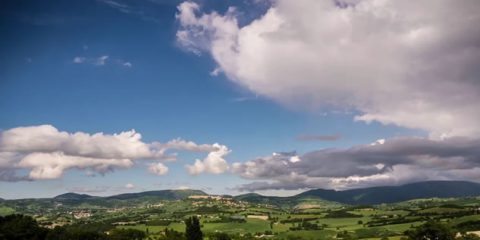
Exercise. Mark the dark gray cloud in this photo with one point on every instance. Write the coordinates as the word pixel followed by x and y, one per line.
pixel 9 175
pixel 96 189
pixel 263 186
pixel 315 137
pixel 393 161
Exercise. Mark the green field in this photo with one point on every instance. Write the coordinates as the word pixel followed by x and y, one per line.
pixel 247 220
pixel 282 223
pixel 6 210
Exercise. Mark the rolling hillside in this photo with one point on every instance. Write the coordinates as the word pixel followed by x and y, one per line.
pixel 390 194
pixel 372 195
pixel 161 194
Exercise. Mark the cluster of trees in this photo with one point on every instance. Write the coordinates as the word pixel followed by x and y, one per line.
pixel 298 220
pixel 452 214
pixel 305 225
pixel 392 220
pixel 22 227
pixel 437 230
pixel 207 209
pixel 341 214
pixel 192 229
pixel 158 222
pixel 171 234
pixel 431 230
pixel 228 219
pixel 469 225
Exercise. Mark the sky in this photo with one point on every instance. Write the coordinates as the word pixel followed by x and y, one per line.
pixel 271 96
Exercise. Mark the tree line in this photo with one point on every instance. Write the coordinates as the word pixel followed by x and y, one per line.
pixel 22 227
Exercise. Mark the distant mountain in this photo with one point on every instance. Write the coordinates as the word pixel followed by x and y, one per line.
pixel 362 196
pixel 260 199
pixel 251 197
pixel 161 194
pixel 391 194
pixel 257 198
pixel 72 196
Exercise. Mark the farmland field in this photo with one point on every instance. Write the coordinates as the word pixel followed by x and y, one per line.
pixel 239 219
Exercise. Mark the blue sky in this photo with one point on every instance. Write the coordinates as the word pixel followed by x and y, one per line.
pixel 150 82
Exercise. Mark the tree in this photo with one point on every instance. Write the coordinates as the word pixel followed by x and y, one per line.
pixel 75 233
pixel 192 229
pixel 221 236
pixel 18 226
pixel 344 235
pixel 127 234
pixel 432 230
pixel 171 234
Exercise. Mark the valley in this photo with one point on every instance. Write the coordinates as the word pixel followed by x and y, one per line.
pixel 253 216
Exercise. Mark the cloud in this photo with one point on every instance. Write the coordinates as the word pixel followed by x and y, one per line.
pixel 213 163
pixel 145 10
pixel 48 139
pixel 96 189
pixel 379 141
pixel 117 5
pixel 158 169
pixel 405 63
pixel 244 98
pixel 123 63
pixel 102 61
pixel 79 59
pixel 311 137
pixel 180 144
pixel 52 165
pixel 47 152
pixel 98 61
pixel 102 189
pixel 215 72
pixel 396 161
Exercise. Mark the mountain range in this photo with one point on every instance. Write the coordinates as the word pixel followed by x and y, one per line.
pixel 378 195
pixel 361 196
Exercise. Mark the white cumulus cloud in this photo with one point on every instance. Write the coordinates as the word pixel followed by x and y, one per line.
pixel 409 63
pixel 47 153
pixel 213 163
pixel 158 169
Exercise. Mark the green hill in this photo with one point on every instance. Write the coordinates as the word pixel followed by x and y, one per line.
pixel 72 196
pixel 161 194
pixel 363 196
pixel 391 194
pixel 374 195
